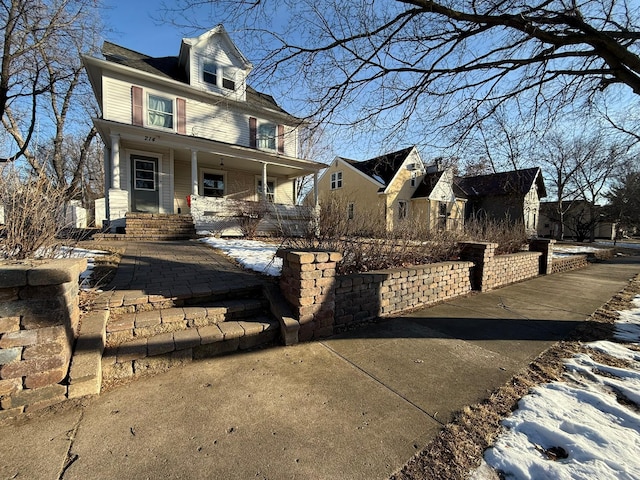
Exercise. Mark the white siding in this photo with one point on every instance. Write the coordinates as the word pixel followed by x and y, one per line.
pixel 117 100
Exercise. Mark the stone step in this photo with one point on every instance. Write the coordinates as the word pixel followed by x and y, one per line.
pixel 126 327
pixel 158 353
pixel 131 301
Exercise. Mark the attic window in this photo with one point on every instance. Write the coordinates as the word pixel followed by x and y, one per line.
pixel 228 81
pixel 209 73
pixel 336 180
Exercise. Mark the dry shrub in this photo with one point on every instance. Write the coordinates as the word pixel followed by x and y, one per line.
pixel 509 235
pixel 33 207
pixel 367 246
pixel 249 215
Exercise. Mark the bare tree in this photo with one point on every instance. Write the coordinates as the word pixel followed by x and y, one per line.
pixel 41 70
pixel 414 66
pixel 313 146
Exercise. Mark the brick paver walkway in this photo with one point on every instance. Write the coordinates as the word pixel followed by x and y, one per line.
pixel 178 269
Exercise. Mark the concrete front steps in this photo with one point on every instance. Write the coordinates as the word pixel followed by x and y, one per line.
pixel 153 227
pixel 130 334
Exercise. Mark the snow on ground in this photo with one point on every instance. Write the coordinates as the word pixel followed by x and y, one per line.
pixel 251 254
pixel 75 252
pixel 567 250
pixel 618 244
pixel 583 428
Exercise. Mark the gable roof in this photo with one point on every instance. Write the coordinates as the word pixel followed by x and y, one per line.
pixel 428 183
pixel 516 182
pixel 383 168
pixel 219 29
pixel 169 68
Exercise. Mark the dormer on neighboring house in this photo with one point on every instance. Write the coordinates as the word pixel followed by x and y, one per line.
pixel 183 133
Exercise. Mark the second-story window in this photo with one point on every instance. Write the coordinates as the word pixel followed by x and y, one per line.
pixel 336 180
pixel 267 136
pixel 160 111
pixel 209 73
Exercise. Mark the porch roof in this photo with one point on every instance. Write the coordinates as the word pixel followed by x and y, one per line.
pixel 284 165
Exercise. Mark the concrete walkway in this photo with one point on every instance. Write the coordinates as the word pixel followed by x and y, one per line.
pixel 356 406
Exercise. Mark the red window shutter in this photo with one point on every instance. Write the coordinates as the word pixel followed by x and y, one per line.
pixel 136 105
pixel 280 138
pixel 253 132
pixel 181 111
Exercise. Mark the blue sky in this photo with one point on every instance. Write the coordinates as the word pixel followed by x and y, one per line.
pixel 135 28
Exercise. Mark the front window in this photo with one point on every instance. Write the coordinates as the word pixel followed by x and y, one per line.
pixel 271 189
pixel 160 111
pixel 213 184
pixel 336 180
pixel 350 211
pixel 402 209
pixel 209 73
pixel 267 136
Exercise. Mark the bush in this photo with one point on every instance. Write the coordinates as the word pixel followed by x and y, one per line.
pixel 249 215
pixel 510 236
pixel 33 208
pixel 366 246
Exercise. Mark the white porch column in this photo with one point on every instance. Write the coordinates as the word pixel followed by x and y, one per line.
pixel 264 182
pixel 115 162
pixel 194 172
pixel 315 189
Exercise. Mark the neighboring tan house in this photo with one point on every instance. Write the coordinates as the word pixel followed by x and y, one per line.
pixel 186 134
pixel 512 196
pixel 582 221
pixel 391 189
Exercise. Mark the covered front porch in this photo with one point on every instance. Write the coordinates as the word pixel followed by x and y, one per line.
pixel 169 173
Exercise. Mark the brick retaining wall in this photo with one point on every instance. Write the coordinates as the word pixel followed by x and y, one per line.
pixel 365 296
pixel 493 271
pixel 565 264
pixel 39 317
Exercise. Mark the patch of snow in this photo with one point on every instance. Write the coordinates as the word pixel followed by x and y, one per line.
pixel 251 254
pixel 619 244
pixel 581 418
pixel 75 252
pixel 568 250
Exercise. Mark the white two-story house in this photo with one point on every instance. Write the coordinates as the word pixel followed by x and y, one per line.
pixel 184 134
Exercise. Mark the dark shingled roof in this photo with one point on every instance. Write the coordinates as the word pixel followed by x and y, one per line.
pixel 382 168
pixel 167 67
pixel 427 185
pixel 506 183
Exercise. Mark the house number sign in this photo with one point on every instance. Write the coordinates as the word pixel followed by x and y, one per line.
pixel 149 139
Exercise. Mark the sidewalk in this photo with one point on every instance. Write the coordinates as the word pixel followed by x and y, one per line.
pixel 355 406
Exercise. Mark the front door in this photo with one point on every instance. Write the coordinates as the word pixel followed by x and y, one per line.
pixel 144 174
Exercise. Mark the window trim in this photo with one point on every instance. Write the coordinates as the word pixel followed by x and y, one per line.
pixel 213 73
pixel 152 160
pixel 260 138
pixel 269 180
pixel 148 111
pixel 403 209
pixel 213 172
pixel 336 180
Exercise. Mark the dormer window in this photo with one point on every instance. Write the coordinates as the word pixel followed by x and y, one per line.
pixel 228 80
pixel 160 110
pixel 209 73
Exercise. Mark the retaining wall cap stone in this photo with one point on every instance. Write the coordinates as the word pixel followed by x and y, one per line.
pixel 57 271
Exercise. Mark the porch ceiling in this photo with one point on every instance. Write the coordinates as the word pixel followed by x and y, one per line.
pixel 210 152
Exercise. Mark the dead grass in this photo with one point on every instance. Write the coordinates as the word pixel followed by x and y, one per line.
pixel 459 446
